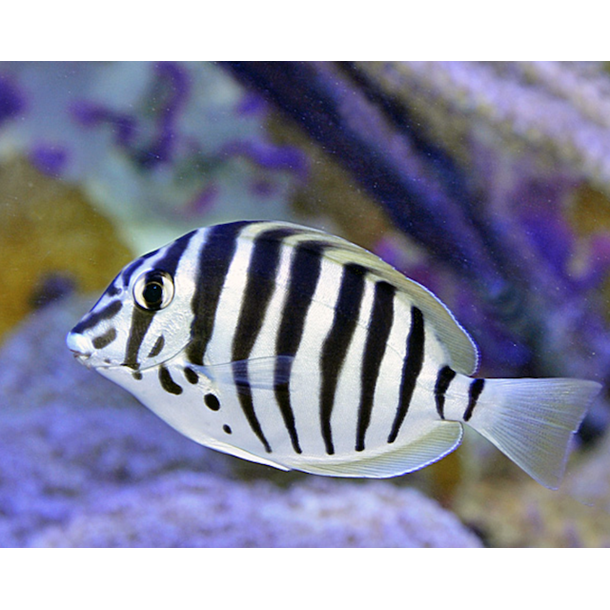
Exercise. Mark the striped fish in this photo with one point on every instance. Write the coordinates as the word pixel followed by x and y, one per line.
pixel 293 348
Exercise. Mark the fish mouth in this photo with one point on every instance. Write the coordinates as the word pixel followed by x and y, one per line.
pixel 84 352
pixel 84 359
pixel 80 348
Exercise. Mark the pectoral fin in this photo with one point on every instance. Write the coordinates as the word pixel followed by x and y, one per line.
pixel 258 373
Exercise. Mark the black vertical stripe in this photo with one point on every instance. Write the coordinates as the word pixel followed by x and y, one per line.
pixel 281 389
pixel 213 265
pixel 169 263
pixel 141 319
pixel 244 394
pixel 303 279
pixel 413 362
pixel 476 387
pixel 260 284
pixel 380 325
pixel 304 276
pixel 140 322
pixel 337 343
pixel 443 379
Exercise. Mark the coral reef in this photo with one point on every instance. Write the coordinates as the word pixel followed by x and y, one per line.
pixel 159 147
pixel 83 464
pixel 188 509
pixel 519 513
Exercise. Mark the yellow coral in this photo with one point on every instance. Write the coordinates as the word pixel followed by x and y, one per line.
pixel 49 227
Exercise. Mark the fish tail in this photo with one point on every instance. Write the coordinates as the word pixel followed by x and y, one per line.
pixel 531 420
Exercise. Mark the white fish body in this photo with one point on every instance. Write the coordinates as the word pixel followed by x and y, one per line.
pixel 296 349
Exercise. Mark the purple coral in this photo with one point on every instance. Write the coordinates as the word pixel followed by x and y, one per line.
pixel 167 97
pixel 92 114
pixel 12 101
pixel 49 159
pixel 269 156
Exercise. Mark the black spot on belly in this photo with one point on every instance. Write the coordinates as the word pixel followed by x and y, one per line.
pixel 227 429
pixel 167 383
pixel 212 402
pixel 137 375
pixel 191 375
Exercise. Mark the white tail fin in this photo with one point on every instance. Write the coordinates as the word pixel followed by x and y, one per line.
pixel 532 421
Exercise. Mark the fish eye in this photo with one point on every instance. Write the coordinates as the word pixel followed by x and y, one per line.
pixel 153 290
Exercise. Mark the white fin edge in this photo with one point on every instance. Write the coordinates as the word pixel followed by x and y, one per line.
pixel 240 453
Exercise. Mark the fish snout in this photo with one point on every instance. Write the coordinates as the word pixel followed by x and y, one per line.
pixel 80 346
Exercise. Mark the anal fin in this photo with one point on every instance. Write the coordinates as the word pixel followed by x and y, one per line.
pixel 442 439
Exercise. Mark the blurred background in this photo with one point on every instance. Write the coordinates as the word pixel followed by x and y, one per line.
pixel 488 182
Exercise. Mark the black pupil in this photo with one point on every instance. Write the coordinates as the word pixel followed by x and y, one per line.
pixel 153 293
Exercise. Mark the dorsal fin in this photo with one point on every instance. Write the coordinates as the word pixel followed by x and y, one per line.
pixel 460 347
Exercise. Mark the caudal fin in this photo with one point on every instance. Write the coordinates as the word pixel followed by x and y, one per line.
pixel 532 421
